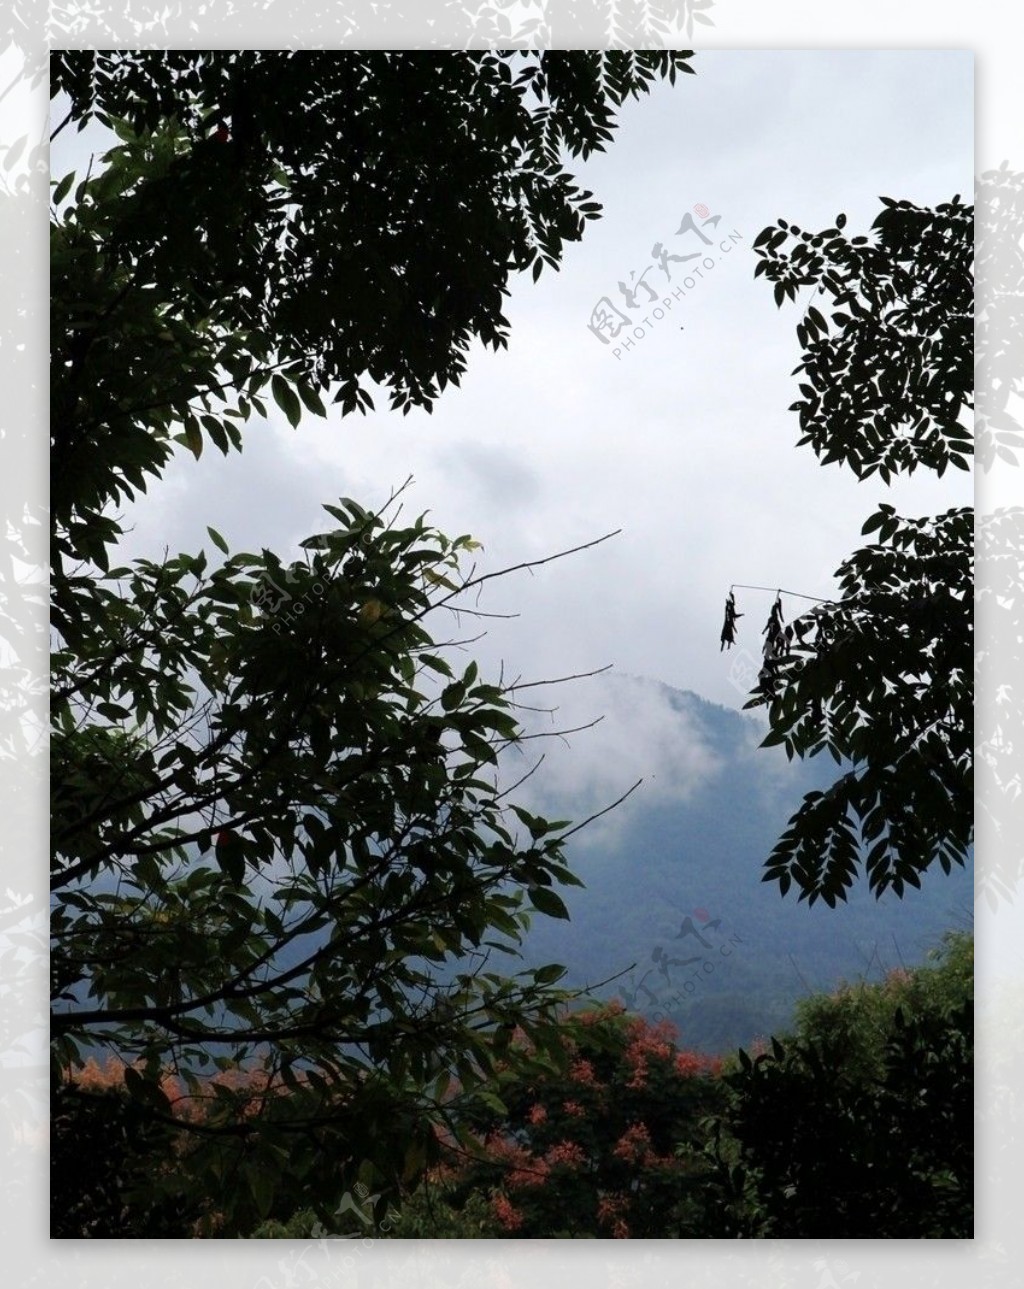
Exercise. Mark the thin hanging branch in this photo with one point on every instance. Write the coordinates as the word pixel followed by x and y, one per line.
pixel 776 590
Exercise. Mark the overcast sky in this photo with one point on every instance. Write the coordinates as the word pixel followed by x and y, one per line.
pixel 684 441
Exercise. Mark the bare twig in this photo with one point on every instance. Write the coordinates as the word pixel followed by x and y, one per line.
pixel 59 127
pixel 628 793
pixel 575 729
pixel 561 680
pixel 519 782
pixel 528 564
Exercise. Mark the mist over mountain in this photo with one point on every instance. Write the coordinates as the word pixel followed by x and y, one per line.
pixel 674 896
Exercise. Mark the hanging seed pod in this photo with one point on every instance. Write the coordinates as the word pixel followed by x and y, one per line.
pixel 777 638
pixel 729 625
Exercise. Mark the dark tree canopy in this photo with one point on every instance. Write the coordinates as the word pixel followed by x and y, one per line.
pixel 277 826
pixel 323 218
pixel 277 831
pixel 859 1125
pixel 882 677
pixel 889 376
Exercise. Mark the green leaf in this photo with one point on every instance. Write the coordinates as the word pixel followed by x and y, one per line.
pixel 538 827
pixel 439 579
pixel 546 901
pixel 217 433
pixel 262 1185
pixel 230 856
pixel 63 188
pixel 145 1090
pixel 876 521
pixel 113 712
pixel 193 438
pixel 312 400
pixel 491 1100
pixel 286 399
pixel 452 696
pixel 217 540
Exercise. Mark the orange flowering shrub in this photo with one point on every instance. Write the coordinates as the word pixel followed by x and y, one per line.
pixel 609 1147
pixel 123 1167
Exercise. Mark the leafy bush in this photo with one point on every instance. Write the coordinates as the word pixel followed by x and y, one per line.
pixel 860 1126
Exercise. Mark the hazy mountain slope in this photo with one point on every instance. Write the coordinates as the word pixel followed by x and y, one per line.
pixel 690 844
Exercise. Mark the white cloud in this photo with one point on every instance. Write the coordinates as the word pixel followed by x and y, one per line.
pixel 685 441
pixel 640 735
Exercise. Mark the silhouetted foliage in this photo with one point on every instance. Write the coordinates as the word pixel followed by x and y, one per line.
pixel 298 223
pixel 277 827
pixel 861 1125
pixel 102 1146
pixel 881 677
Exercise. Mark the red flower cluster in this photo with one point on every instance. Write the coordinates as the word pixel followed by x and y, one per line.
pixel 582 1071
pixel 254 1087
pixel 569 1153
pixel 510 1218
pixel 610 1211
pixel 647 1043
pixel 634 1145
pixel 523 1168
pixel 690 1064
pixel 597 1017
pixel 610 1206
pixel 581 1141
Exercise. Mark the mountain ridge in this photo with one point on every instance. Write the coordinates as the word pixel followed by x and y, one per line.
pixel 674 898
